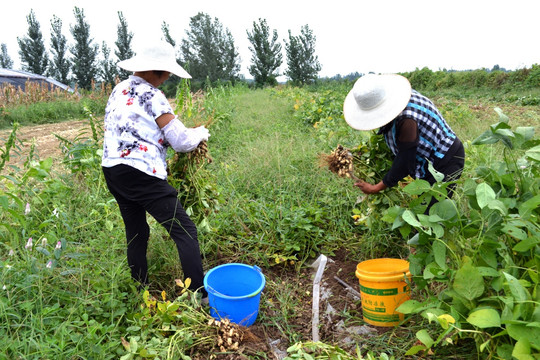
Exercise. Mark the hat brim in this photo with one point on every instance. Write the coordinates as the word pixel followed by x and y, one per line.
pixel 398 94
pixel 142 64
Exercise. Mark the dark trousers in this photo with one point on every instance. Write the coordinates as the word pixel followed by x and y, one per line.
pixel 451 166
pixel 138 193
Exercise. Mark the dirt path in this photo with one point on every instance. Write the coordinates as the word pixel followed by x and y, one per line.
pixel 47 144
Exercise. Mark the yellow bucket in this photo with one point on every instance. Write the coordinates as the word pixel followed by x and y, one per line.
pixel 383 287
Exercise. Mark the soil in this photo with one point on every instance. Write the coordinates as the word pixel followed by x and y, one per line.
pixel 44 136
pixel 337 305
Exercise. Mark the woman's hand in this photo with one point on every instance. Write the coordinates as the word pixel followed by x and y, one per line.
pixel 368 188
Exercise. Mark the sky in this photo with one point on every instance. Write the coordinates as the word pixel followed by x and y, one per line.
pixel 381 36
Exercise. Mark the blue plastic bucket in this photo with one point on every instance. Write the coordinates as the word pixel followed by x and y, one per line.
pixel 234 292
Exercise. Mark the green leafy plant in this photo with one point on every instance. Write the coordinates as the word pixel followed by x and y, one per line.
pixel 84 153
pixel 165 327
pixel 187 171
pixel 320 351
pixel 479 267
pixel 9 144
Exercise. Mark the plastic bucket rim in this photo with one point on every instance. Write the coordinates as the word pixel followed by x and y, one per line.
pixel 400 270
pixel 217 293
pixel 399 274
pixel 397 277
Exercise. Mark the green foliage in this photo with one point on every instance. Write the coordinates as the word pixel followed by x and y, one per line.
pixel 84 60
pixel 421 79
pixel 83 154
pixel 303 65
pixel 266 55
pixel 209 50
pixel 468 82
pixel 32 48
pixel 59 66
pixel 107 69
pixel 487 257
pixel 163 328
pixel 322 108
pixel 167 34
pixel 68 293
pixel 322 351
pixel 54 265
pixel 123 44
pixel 8 145
pixel 5 60
pixel 298 233
pixel 188 172
pixel 372 158
pixel 53 111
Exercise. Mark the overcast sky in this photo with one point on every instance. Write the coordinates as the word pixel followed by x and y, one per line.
pixel 351 35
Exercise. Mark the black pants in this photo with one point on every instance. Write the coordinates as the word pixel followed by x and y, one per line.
pixel 138 193
pixel 451 166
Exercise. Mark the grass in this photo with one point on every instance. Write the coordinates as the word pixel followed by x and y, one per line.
pixel 51 112
pixel 278 209
pixel 267 167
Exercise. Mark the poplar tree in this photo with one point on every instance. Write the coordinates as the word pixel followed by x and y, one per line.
pixel 266 55
pixel 5 60
pixel 303 64
pixel 32 49
pixel 107 68
pixel 84 52
pixel 167 34
pixel 123 44
pixel 59 66
pixel 209 50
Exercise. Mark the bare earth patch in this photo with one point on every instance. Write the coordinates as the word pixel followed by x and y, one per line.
pixel 47 144
pixel 336 308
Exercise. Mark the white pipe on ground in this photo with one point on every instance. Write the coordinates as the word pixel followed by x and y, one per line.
pixel 320 264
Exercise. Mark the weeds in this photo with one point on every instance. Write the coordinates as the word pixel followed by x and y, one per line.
pixel 487 256
pixel 38 104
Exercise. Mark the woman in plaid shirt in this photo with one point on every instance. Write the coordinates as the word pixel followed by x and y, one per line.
pixel 412 126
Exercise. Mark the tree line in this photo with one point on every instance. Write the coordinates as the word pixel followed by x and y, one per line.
pixel 207 51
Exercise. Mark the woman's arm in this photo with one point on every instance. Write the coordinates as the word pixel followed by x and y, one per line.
pixel 405 161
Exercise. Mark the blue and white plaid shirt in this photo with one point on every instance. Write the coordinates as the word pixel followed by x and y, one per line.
pixel 435 136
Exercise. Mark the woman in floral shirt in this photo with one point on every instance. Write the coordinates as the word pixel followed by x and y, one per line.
pixel 139 126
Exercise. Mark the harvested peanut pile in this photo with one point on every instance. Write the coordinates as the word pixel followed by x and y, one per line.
pixel 340 161
pixel 180 162
pixel 200 153
pixel 230 335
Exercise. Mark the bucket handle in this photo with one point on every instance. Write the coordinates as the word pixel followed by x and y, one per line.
pixel 233 297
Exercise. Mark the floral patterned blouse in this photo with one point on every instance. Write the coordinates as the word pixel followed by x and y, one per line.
pixel 132 136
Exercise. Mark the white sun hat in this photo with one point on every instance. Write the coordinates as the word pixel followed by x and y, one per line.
pixel 375 100
pixel 158 55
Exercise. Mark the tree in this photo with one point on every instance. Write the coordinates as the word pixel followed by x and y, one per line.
pixel 107 68
pixel 266 54
pixel 167 34
pixel 5 60
pixel 59 66
pixel 84 52
pixel 209 50
pixel 303 64
pixel 32 49
pixel 170 86
pixel 123 44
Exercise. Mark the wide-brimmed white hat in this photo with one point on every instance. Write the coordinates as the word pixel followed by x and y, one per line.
pixel 158 55
pixel 375 100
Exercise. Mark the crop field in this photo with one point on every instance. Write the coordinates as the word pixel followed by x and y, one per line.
pixel 262 194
